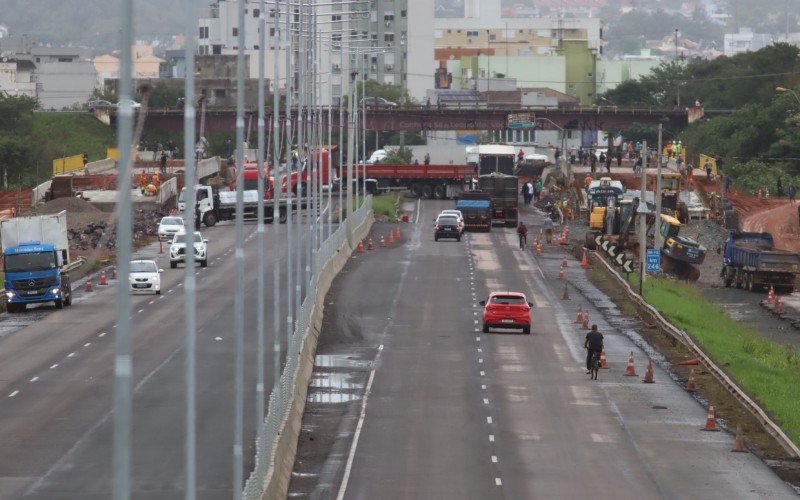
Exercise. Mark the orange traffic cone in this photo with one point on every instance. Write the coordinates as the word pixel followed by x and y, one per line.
pixel 585 322
pixel 630 370
pixel 579 318
pixel 739 444
pixel 585 260
pixel 564 262
pixel 771 296
pixel 383 242
pixel 565 295
pixel 103 279
pixel 370 245
pixel 690 384
pixel 361 246
pixel 391 237
pixel 538 249
pixel 711 423
pixel 778 305
pixel 603 360
pixel 88 287
pixel 397 233
pixel 648 374
pixel 561 273
pixel 114 272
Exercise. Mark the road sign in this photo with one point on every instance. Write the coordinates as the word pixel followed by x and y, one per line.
pixel 612 251
pixel 628 266
pixel 653 260
pixel 521 120
pixel 620 259
pixel 605 245
pixel 598 240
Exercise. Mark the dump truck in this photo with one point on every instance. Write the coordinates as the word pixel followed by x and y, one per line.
pixel 35 261
pixel 504 192
pixel 751 261
pixel 476 208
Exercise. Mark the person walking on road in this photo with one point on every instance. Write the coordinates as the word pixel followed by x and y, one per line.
pixel 537 189
pixel 522 232
pixel 593 344
pixel 548 229
pixel 592 161
pixel 163 162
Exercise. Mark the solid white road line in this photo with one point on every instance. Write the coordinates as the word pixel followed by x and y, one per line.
pixel 348 467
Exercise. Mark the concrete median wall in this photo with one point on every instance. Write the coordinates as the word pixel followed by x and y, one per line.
pixel 276 483
pixel 100 166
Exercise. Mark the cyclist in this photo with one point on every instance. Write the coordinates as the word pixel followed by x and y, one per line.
pixel 522 232
pixel 593 344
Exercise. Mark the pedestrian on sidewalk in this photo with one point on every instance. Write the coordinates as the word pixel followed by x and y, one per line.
pixel 619 157
pixel 593 161
pixel 792 193
pixel 522 232
pixel 537 189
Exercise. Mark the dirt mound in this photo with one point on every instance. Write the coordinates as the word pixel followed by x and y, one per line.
pixel 71 204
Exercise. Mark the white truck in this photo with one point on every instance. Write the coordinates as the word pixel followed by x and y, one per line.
pixel 35 258
pixel 213 205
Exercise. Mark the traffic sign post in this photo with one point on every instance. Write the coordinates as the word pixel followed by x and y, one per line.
pixel 653 260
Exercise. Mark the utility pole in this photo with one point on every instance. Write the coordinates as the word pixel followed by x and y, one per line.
pixel 657 238
pixel 643 220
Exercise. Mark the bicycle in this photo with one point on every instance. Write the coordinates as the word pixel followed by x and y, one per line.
pixel 595 366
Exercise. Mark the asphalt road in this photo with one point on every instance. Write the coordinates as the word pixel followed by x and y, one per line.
pixel 411 400
pixel 56 384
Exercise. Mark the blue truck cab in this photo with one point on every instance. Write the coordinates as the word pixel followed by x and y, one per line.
pixel 751 261
pixel 33 274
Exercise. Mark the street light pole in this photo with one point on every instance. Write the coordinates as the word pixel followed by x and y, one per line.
pixel 677 82
pixel 783 90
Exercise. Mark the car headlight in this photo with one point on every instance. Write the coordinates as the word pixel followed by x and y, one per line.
pixel 55 291
pixel 10 294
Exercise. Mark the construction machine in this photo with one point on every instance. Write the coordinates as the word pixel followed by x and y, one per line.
pixel 671 204
pixel 681 253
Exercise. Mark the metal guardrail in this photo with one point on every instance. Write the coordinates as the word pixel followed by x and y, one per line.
pixel 758 413
pixel 279 403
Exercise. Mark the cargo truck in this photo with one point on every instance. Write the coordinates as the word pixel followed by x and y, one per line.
pixel 751 261
pixel 35 259
pixel 493 158
pixel 476 208
pixel 213 205
pixel 429 181
pixel 504 192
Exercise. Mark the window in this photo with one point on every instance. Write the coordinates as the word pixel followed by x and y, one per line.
pixel 219 93
pixel 389 67
pixel 255 47
pixel 492 37
pixel 388 37
pixel 216 50
pixel 471 33
pixel 256 12
pixel 389 16
pixel 201 32
pixel 336 17
pixel 64 59
pixel 235 31
pixel 272 32
pixel 402 13
pixel 589 74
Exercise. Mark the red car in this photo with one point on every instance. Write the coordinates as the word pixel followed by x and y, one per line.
pixel 506 310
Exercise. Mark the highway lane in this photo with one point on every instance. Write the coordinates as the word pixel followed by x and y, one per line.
pixel 451 412
pixel 56 429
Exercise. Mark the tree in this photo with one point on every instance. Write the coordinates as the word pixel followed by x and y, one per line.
pixel 398 156
pixel 162 95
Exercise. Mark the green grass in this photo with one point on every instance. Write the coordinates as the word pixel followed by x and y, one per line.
pixel 71 134
pixel 386 205
pixel 767 371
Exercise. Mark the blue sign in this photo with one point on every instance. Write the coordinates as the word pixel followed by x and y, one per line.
pixel 653 260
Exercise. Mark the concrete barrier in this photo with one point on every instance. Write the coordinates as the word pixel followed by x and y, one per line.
pixel 38 193
pixel 167 190
pixel 100 166
pixel 276 482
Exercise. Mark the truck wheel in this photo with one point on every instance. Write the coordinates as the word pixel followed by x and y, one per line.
pixel 282 216
pixel 439 192
pixel 68 299
pixel 173 265
pixel 59 304
pixel 416 190
pixel 210 219
pixel 427 191
pixel 11 308
pixel 204 263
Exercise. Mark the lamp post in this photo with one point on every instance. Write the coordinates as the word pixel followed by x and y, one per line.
pixel 564 163
pixel 677 82
pixel 783 90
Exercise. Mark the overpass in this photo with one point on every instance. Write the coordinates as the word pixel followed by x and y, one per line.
pixel 418 119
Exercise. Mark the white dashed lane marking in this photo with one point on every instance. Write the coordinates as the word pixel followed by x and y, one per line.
pixel 70 354
pixel 498 482
pixel 485 401
pixel 483 374
pixel 103 334
pixel 13 394
pixel 34 379
pixel 491 438
pixel 488 420
pixel 494 459
pixel 87 344
pixel 53 367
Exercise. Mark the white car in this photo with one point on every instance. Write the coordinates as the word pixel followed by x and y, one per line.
pixel 133 104
pixel 145 276
pixel 458 215
pixel 170 226
pixel 177 250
